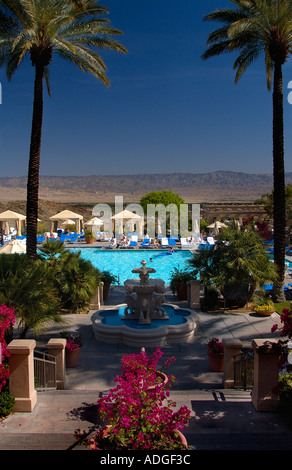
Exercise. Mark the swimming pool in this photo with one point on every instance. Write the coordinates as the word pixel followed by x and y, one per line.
pixel 120 262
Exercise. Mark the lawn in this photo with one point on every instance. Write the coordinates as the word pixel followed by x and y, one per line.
pixel 279 306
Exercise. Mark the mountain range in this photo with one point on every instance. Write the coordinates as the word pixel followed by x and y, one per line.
pixel 218 186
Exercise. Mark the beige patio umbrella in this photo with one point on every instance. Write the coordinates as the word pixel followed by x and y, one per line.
pixel 13 247
pixel 65 215
pixel 68 222
pixel 94 221
pixel 8 217
pixel 216 225
pixel 126 215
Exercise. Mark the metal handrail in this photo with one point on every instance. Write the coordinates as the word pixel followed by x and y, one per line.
pixel 244 369
pixel 45 371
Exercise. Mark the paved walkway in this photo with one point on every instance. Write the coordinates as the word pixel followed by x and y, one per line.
pixel 220 419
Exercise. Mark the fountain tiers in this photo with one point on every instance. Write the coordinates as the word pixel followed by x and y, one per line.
pixel 144 306
pixel 150 338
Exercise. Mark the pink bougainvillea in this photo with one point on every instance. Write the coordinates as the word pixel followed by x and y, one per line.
pixel 286 320
pixel 7 319
pixel 135 411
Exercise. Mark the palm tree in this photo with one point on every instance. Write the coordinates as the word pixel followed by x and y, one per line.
pixel 238 259
pixel 72 29
pixel 28 286
pixel 256 27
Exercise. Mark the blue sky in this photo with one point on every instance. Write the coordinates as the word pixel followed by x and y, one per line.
pixel 166 111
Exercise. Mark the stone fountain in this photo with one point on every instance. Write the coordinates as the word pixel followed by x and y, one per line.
pixel 142 303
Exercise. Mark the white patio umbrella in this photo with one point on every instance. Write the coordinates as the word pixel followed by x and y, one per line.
pixel 8 217
pixel 13 247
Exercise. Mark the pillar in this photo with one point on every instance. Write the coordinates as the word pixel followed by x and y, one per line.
pixel 193 294
pixel 266 376
pixel 232 347
pixel 56 347
pixel 21 378
pixel 97 300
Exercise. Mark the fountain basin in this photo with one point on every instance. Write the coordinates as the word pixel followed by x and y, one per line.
pixel 121 331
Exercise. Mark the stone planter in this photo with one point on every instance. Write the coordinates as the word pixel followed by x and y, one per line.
pixel 72 357
pixel 216 362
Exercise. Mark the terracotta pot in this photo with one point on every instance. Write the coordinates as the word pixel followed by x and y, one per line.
pixel 216 362
pixel 72 357
pixel 162 380
pixel 264 313
pixel 89 240
pixel 106 288
pixel 182 291
pixel 181 436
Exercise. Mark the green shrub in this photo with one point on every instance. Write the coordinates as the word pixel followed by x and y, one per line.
pixel 7 402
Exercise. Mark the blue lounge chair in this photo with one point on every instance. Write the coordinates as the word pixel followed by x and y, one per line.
pixel 63 237
pixel 73 239
pixel 146 242
pixel 172 242
pixel 269 287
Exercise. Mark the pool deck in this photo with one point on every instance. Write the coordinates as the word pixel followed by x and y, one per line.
pixel 104 245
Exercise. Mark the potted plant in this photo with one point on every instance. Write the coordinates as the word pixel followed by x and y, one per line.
pixel 215 351
pixel 72 348
pixel 263 306
pixel 89 237
pixel 235 265
pixel 107 278
pixel 135 418
pixel 178 282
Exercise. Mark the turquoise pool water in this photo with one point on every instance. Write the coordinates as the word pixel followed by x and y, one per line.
pixel 120 263
pixel 115 318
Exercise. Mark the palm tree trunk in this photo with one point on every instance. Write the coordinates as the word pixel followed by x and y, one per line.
pixel 34 163
pixel 279 183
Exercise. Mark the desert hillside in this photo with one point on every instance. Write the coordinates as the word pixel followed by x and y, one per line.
pixel 220 186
